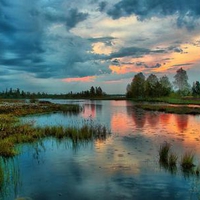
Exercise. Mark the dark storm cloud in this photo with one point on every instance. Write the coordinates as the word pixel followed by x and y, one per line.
pixel 157 65
pixel 74 17
pixel 71 18
pixel 139 64
pixel 116 62
pixel 106 40
pixel 175 49
pixel 184 64
pixel 102 6
pixel 135 52
pixel 187 11
pixel 27 44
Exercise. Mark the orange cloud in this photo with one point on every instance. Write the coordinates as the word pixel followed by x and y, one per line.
pixel 124 69
pixel 191 56
pixel 80 79
pixel 101 48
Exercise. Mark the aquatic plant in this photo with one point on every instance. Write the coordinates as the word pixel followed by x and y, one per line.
pixel 172 159
pixel 164 152
pixel 17 133
pixel 187 161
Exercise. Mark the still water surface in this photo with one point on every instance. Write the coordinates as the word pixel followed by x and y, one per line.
pixel 125 166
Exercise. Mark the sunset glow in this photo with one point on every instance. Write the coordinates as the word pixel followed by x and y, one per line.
pixel 80 79
pixel 77 45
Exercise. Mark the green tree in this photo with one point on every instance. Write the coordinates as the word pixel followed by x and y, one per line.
pixel 138 86
pixel 128 91
pixel 165 86
pixel 151 86
pixel 181 82
pixel 92 91
pixel 99 91
pixel 196 89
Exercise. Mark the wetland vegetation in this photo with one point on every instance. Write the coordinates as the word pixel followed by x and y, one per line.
pixel 15 132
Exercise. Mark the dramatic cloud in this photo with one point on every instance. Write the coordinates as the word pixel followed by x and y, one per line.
pixel 95 42
pixel 134 52
pixel 187 11
pixel 74 17
pixel 157 65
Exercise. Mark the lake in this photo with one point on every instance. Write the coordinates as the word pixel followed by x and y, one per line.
pixel 124 166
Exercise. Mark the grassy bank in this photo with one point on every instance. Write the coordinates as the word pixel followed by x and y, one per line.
pixel 170 100
pixel 13 132
pixel 21 109
pixel 170 109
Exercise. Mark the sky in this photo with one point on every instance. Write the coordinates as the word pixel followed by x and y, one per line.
pixel 58 46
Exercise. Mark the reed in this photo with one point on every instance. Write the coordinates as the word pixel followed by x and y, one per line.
pixel 17 133
pixel 172 159
pixel 164 152
pixel 187 161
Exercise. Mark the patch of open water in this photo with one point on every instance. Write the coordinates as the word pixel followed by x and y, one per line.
pixel 125 166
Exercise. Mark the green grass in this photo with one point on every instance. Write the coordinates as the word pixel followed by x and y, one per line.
pixel 171 100
pixel 172 160
pixel 168 160
pixel 170 109
pixel 164 152
pixel 13 132
pixel 187 161
pixel 17 109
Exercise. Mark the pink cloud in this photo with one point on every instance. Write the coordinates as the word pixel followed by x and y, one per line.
pixel 80 79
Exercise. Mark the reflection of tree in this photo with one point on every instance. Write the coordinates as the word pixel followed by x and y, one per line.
pixel 90 110
pixel 182 122
pixel 164 118
pixel 152 118
pixel 138 116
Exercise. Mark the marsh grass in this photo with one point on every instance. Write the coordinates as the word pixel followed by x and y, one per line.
pixel 15 132
pixel 170 109
pixel 187 161
pixel 164 152
pixel 168 160
pixel 172 159
pixel 37 108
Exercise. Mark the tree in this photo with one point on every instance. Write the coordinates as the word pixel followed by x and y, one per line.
pixel 196 88
pixel 151 89
pixel 137 86
pixel 92 91
pixel 181 82
pixel 166 86
pixel 99 91
pixel 128 91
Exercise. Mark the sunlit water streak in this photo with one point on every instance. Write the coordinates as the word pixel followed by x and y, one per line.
pixel 125 166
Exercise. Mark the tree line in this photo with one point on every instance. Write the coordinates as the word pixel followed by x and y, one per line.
pixel 152 86
pixel 21 94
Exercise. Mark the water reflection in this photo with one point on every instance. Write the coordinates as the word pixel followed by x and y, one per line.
pixel 138 116
pixel 91 110
pixel 123 166
pixel 182 122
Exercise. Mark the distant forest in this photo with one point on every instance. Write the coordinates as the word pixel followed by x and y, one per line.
pixel 140 87
pixel 94 92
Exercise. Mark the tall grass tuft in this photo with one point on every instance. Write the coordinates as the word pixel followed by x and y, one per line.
pixel 164 152
pixel 172 159
pixel 187 161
